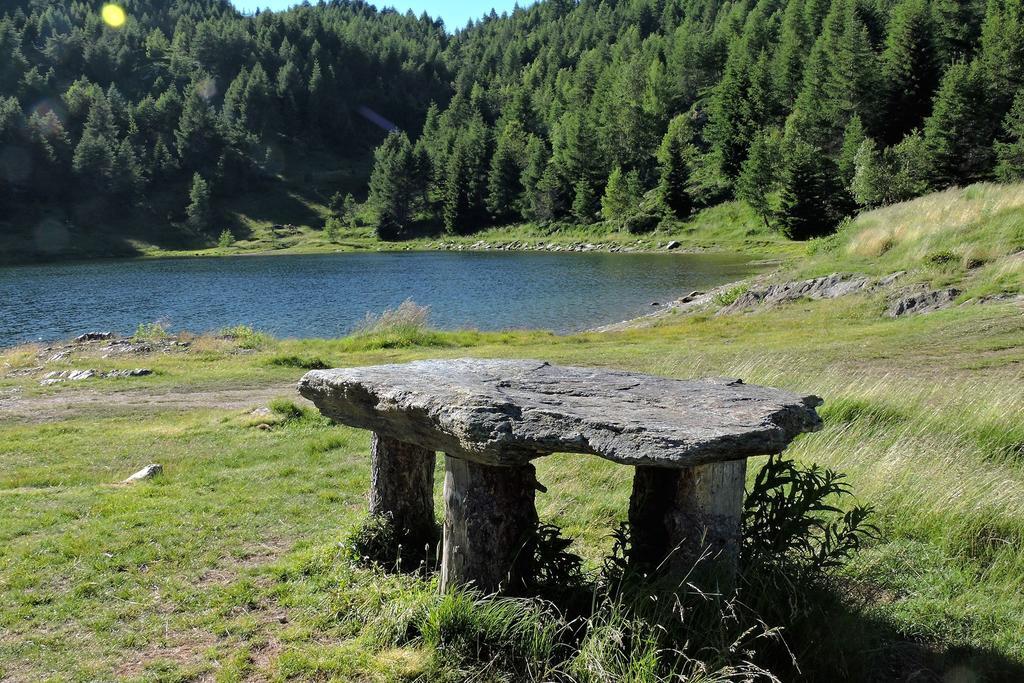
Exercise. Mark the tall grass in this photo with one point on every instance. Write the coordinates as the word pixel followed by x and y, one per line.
pixel 401 327
pixel 971 235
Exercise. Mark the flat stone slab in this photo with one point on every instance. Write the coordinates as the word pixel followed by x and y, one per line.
pixel 507 412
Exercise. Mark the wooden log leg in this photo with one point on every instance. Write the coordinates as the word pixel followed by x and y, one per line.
pixel 402 489
pixel 685 514
pixel 489 518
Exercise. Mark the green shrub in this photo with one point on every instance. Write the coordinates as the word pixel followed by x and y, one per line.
pixel 378 542
pixel 293 413
pixel 332 229
pixel 730 295
pixel 305 363
pixel 641 223
pixel 792 526
pixel 246 337
pixel 150 332
pixel 226 239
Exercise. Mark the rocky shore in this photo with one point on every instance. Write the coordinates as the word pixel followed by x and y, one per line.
pixel 638 246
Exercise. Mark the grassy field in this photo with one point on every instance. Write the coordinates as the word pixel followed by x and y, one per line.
pixel 233 564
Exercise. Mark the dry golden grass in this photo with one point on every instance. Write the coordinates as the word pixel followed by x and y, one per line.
pixel 939 215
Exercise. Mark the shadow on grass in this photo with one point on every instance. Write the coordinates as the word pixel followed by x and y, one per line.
pixel 642 626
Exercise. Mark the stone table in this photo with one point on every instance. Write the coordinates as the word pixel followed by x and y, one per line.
pixel 688 441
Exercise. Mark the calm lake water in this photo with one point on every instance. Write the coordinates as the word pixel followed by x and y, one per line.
pixel 327 295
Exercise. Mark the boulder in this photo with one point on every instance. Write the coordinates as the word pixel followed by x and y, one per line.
pixel 94 336
pixel 827 287
pixel 508 412
pixel 147 472
pixel 923 302
pixel 135 372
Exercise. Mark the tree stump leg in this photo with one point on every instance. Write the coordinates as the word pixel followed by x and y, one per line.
pixel 685 514
pixel 489 517
pixel 402 489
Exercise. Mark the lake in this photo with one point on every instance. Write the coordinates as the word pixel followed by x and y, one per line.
pixel 326 295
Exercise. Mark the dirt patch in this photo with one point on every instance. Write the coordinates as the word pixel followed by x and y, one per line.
pixel 15 407
pixel 184 650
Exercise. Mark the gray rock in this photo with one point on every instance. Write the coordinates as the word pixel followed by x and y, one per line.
pixel 94 336
pixel 923 302
pixel 891 278
pixel 147 472
pixel 501 412
pixel 56 377
pixel 136 372
pixel 828 287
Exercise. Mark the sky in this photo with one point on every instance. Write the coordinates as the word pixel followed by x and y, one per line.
pixel 454 12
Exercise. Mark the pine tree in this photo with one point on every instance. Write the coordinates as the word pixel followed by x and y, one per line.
pixel 675 176
pixel 1010 151
pixel 759 178
pixel 958 134
pixel 199 211
pixel 621 195
pixel 730 126
pixel 909 67
pixel 198 137
pixel 853 137
pixel 585 203
pixel 504 184
pixel 316 99
pixel 93 160
pixel 390 184
pixel 465 183
pixel 869 176
pixel 126 175
pixel 548 200
pixel 809 194
pixel 533 171
pixel 576 151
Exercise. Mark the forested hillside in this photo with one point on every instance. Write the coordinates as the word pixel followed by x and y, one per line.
pixel 187 103
pixel 806 109
pixel 629 111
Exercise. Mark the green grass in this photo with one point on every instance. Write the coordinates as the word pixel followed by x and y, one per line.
pixel 233 564
pixel 969 237
pixel 229 564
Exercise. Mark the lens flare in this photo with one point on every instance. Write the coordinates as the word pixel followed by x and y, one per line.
pixel 113 15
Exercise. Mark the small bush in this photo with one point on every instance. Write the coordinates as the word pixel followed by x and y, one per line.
pixel 730 295
pixel 791 526
pixel 289 412
pixel 942 258
pixel 375 542
pixel 378 542
pixel 556 571
pixel 226 239
pixel 641 222
pixel 332 229
pixel 313 363
pixel 150 332
pixel 246 337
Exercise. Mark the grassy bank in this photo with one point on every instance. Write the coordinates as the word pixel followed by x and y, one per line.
pixel 288 218
pixel 234 564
